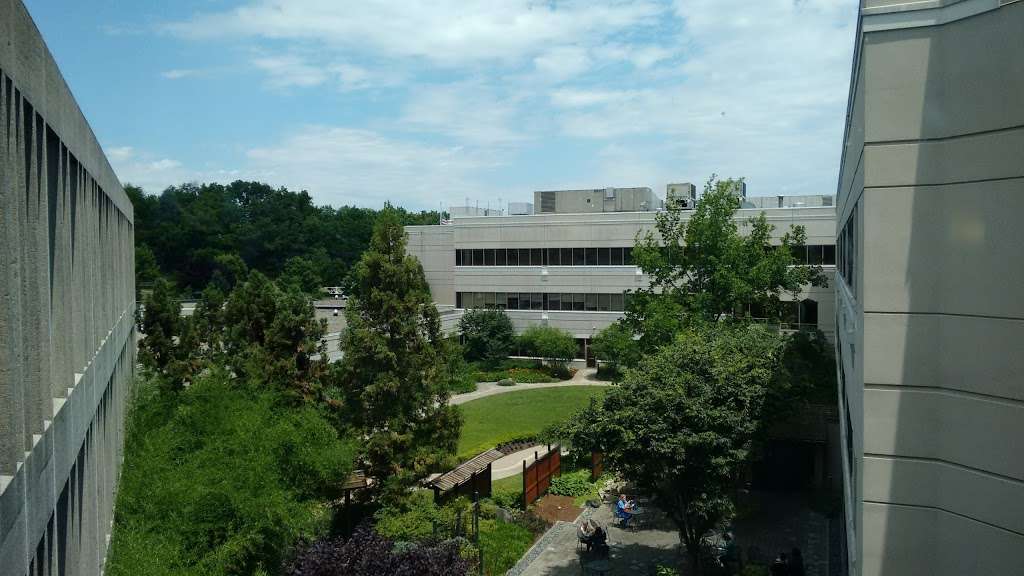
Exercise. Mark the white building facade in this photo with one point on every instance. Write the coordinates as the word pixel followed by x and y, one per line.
pixel 931 322
pixel 574 270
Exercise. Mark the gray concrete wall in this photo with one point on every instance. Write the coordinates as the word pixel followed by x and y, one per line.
pixel 66 317
pixel 931 332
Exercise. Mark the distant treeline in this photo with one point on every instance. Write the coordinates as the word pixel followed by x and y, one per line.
pixel 181 233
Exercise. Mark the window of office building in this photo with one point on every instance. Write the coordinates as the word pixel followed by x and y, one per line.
pixel 537 301
pixel 553 257
pixel 602 302
pixel 550 256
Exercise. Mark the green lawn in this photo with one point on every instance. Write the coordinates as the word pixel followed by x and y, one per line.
pixel 495 419
pixel 510 484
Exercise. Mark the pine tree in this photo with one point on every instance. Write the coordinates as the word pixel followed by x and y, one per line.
pixel 160 322
pixel 392 375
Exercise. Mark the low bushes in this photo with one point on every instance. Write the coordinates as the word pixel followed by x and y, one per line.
pixel 420 521
pixel 503 544
pixel 219 479
pixel 522 371
pixel 368 553
pixel 572 484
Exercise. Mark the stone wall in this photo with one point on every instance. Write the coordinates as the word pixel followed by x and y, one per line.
pixel 67 297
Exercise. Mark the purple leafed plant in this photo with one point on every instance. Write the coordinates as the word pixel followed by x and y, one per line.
pixel 367 553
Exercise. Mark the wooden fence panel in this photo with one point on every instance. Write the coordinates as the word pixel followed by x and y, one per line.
pixel 537 476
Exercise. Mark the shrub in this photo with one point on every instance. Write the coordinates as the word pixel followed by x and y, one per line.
pixel 555 345
pixel 666 571
pixel 240 477
pixel 367 553
pixel 503 544
pixel 616 347
pixel 572 484
pixel 754 570
pixel 488 334
pixel 509 500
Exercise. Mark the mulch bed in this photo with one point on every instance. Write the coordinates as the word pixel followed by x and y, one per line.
pixel 553 508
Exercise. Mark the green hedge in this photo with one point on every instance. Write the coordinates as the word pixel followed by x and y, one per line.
pixel 221 480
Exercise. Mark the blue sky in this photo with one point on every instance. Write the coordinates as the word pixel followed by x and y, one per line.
pixel 429 103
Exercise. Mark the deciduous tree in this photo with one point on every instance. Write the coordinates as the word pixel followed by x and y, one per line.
pixel 487 334
pixel 704 267
pixel 681 424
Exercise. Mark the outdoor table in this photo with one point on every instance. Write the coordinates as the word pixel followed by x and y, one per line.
pixel 637 518
pixel 597 567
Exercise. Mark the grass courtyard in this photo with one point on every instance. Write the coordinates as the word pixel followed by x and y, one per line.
pixel 492 420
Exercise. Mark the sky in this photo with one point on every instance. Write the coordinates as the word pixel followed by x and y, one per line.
pixel 427 104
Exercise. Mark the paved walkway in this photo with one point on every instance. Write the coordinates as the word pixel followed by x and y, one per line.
pixel 583 377
pixel 655 542
pixel 512 464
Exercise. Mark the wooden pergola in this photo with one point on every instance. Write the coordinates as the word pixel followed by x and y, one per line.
pixel 472 476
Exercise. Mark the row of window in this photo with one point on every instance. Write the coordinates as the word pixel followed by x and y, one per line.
pixel 812 254
pixel 815 254
pixel 544 257
pixel 615 302
pixel 847 248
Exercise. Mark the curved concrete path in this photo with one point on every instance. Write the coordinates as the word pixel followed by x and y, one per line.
pixel 512 464
pixel 483 389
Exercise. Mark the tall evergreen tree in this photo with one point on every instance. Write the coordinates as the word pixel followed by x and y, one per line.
pixel 393 383
pixel 160 322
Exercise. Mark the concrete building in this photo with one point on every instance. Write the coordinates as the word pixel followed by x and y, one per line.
pixel 67 298
pixel 930 276
pixel 572 269
pixel 596 200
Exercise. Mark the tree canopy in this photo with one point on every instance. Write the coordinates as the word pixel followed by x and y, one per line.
pixel 182 231
pixel 703 268
pixel 680 425
pixel 487 334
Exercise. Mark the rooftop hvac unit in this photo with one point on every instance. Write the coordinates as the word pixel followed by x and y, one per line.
pixel 547 202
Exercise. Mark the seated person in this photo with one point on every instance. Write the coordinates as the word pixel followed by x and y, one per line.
pixel 586 532
pixel 623 510
pixel 599 541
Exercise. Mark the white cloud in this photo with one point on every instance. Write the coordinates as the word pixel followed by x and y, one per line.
pixel 179 73
pixel 351 166
pixel 578 98
pixel 447 32
pixel 289 70
pixel 563 62
pixel 469 111
pixel 761 92
pixel 154 173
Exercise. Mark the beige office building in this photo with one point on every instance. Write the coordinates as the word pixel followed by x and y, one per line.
pixel 569 264
pixel 930 290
